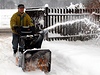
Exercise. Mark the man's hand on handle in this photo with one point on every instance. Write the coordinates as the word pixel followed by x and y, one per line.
pixel 17 29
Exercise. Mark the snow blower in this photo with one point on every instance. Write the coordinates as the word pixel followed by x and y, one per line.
pixel 33 57
pixel 31 37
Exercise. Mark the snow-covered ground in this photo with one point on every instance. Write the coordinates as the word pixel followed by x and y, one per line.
pixel 68 58
pixel 7 61
pixel 74 58
pixel 5 15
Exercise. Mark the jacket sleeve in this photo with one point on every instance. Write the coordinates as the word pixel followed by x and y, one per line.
pixel 30 22
pixel 13 21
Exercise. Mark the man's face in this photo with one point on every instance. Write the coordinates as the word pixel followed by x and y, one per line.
pixel 21 10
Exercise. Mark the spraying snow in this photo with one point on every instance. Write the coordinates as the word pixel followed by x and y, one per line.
pixel 85 20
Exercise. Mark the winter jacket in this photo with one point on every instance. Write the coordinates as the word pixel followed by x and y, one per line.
pixel 20 20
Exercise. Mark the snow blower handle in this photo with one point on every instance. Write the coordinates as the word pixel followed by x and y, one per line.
pixel 17 29
pixel 24 30
pixel 27 30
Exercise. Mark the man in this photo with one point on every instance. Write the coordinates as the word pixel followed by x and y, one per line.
pixel 18 19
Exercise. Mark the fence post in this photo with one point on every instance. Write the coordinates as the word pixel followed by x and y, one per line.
pixel 46 19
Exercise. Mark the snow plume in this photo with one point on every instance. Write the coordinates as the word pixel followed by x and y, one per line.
pixel 84 20
pixel 41 21
pixel 76 6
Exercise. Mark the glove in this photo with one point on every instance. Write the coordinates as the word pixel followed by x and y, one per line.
pixel 17 29
pixel 33 29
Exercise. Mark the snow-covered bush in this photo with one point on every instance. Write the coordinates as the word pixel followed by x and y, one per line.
pixel 76 6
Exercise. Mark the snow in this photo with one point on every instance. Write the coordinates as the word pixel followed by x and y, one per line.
pixel 68 58
pixel 85 20
pixel 40 9
pixel 76 6
pixel 46 5
pixel 68 14
pixel 7 61
pixel 5 15
pixel 41 22
pixel 74 58
pixel 94 13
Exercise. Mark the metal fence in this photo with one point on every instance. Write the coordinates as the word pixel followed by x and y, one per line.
pixel 72 30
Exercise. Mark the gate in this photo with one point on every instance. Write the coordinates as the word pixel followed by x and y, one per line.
pixel 76 24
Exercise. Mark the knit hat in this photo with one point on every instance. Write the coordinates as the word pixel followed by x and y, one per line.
pixel 21 6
